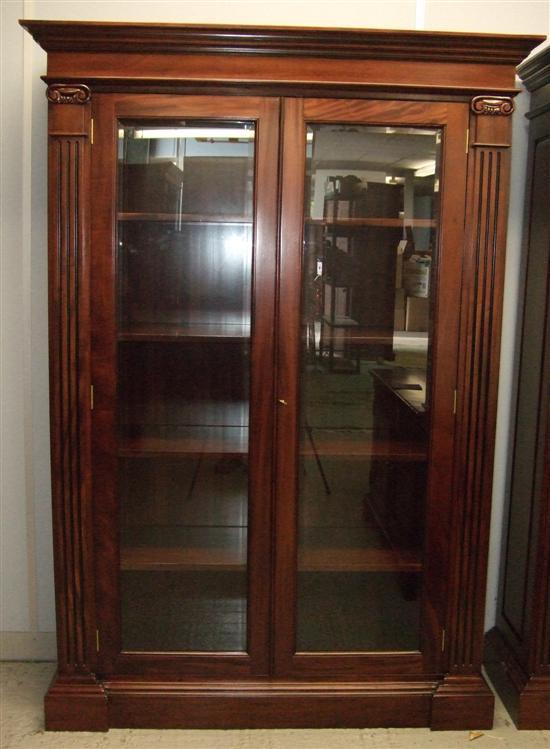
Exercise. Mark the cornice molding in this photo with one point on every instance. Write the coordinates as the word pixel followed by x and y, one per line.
pixel 535 71
pixel 63 36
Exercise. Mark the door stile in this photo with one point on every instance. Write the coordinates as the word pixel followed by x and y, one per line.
pixel 103 315
pixel 288 348
pixel 444 390
pixel 264 266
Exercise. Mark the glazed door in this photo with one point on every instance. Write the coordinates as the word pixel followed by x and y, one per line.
pixel 371 237
pixel 183 269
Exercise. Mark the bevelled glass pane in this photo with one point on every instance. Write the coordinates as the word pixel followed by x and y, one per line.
pixel 184 239
pixel 368 277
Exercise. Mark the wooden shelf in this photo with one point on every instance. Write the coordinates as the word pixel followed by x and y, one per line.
pixel 186 218
pixel 191 333
pixel 359 443
pixel 381 222
pixel 357 560
pixel 234 560
pixel 213 441
pixel 358 336
pixel 232 441
pixel 179 559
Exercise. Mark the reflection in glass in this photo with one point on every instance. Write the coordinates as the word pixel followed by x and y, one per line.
pixel 184 241
pixel 370 245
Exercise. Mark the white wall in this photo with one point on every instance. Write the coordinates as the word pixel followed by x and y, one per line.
pixel 27 622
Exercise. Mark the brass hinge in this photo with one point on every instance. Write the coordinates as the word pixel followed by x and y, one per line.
pixel 92 131
pixel 467 139
pixel 97 640
pixel 455 397
pixel 91 397
pixel 443 636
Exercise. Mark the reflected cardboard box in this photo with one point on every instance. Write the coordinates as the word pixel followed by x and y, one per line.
pixel 416 314
pixel 399 311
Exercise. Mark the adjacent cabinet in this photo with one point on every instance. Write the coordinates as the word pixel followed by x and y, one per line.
pixel 518 648
pixel 276 263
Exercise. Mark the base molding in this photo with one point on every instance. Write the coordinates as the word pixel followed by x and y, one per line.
pixel 462 702
pixel 83 703
pixel 269 705
pixel 526 697
pixel 76 703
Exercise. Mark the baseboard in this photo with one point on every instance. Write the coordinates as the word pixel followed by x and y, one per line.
pixel 28 646
pixel 77 703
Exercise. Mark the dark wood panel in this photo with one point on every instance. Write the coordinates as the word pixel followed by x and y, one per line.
pixel 184 273
pixel 525 695
pixel 531 411
pixel 166 385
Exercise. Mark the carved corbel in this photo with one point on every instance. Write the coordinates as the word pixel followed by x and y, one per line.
pixel 493 105
pixel 68 93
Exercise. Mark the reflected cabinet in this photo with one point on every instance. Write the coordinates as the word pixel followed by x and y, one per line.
pixel 276 264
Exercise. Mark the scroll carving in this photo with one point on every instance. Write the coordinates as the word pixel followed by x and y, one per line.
pixel 494 105
pixel 65 93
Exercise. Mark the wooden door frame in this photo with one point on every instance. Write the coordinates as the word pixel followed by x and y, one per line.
pixel 108 110
pixel 452 118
